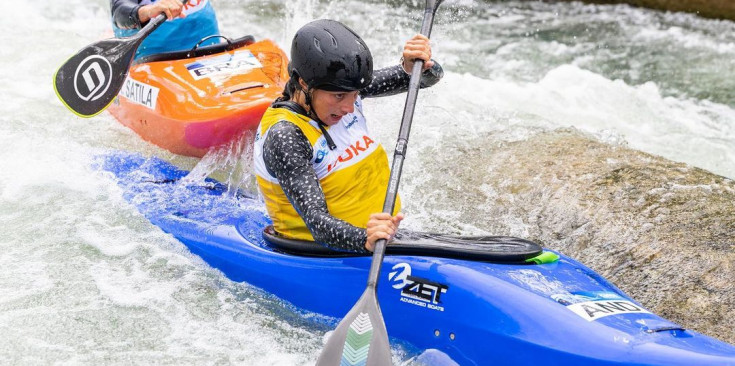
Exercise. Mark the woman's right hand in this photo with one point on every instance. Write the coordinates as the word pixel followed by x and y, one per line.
pixel 417 48
pixel 172 8
pixel 381 226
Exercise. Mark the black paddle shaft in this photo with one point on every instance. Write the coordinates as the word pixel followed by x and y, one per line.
pixel 89 81
pixel 347 344
pixel 402 143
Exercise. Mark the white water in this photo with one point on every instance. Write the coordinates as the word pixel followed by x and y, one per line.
pixel 85 279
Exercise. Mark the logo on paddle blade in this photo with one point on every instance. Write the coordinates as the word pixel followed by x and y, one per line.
pixel 92 78
pixel 357 343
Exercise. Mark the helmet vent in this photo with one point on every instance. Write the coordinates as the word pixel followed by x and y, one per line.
pixel 318 45
pixel 332 37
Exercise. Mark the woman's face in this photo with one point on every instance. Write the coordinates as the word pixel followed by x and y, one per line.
pixel 331 106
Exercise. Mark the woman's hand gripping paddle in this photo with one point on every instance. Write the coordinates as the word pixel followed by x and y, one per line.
pixel 361 337
pixel 89 81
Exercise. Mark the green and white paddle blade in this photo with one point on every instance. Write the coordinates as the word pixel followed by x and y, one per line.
pixel 360 338
pixel 89 81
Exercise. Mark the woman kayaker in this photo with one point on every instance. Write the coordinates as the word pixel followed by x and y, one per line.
pixel 322 176
pixel 186 25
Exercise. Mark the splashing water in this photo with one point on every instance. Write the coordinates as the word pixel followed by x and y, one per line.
pixel 87 280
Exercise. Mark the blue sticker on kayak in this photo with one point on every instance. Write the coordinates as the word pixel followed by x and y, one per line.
pixel 593 305
pixel 223 65
pixel 584 296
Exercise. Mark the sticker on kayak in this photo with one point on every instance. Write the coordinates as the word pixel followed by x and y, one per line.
pixel 595 305
pixel 140 93
pixel 225 64
pixel 416 290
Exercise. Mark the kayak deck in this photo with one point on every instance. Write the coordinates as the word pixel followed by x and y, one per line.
pixel 190 101
pixel 558 313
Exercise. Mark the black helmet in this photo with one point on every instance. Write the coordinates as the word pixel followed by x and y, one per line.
pixel 328 55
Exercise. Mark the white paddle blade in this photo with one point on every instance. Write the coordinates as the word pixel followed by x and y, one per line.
pixel 360 338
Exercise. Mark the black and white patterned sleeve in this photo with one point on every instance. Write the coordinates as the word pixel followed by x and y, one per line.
pixel 393 80
pixel 287 155
pixel 125 13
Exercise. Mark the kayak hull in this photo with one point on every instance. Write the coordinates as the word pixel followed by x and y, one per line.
pixel 475 313
pixel 188 105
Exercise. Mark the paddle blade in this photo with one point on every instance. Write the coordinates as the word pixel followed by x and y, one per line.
pixel 360 338
pixel 89 81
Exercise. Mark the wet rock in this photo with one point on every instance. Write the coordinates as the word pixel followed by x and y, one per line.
pixel 661 231
pixel 718 9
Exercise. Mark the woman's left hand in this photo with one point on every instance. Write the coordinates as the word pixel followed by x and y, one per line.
pixel 417 48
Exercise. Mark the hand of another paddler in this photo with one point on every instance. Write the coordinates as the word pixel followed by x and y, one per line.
pixel 172 8
pixel 417 48
pixel 381 226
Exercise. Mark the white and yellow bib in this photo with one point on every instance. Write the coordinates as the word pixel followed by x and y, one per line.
pixel 353 177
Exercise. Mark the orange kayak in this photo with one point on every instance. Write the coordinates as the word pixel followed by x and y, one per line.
pixel 189 101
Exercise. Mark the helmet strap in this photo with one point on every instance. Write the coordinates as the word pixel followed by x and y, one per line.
pixel 312 114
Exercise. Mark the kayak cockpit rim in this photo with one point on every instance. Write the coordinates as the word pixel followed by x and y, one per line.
pixel 496 249
pixel 199 51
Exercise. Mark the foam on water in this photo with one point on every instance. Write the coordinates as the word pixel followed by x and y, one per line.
pixel 700 133
pixel 86 279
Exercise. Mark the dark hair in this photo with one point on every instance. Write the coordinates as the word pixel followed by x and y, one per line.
pixel 289 89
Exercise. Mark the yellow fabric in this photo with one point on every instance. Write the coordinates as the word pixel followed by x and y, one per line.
pixel 352 192
pixel 275 115
pixel 286 221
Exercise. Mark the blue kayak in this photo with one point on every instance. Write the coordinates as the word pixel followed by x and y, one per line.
pixel 539 308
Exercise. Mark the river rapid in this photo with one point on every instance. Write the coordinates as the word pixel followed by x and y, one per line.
pixel 85 279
